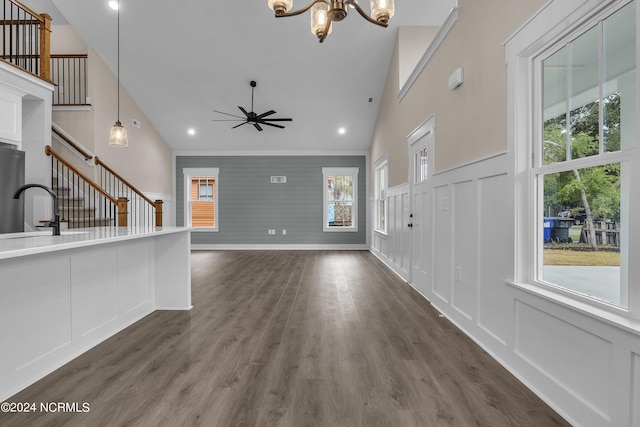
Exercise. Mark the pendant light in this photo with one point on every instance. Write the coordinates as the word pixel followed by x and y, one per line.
pixel 118 134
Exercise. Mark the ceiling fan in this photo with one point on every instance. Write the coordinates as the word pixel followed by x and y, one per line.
pixel 250 117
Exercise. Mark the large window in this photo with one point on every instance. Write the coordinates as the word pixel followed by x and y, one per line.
pixel 380 194
pixel 201 198
pixel 582 159
pixel 340 199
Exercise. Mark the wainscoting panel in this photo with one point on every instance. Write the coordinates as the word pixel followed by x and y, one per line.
pixel 394 247
pixel 493 221
pixel 23 321
pixel 465 241
pixel 574 358
pixel 94 289
pixel 443 250
pixel 134 285
pixel 635 389
pixel 34 310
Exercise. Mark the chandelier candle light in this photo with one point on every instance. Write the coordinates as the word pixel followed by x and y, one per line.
pixel 324 12
pixel 118 134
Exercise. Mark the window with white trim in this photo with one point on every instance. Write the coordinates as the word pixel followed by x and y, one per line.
pixel 583 148
pixel 340 199
pixel 381 179
pixel 201 198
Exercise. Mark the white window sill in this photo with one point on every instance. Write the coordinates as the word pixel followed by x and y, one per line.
pixel 204 229
pixel 339 229
pixel 610 314
pixel 381 232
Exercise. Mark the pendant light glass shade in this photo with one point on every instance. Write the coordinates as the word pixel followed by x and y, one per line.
pixel 382 10
pixel 118 135
pixel 319 20
pixel 280 6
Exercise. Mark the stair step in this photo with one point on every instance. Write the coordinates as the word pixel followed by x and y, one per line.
pixel 92 222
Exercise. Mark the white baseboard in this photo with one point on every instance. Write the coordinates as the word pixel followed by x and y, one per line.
pixel 284 247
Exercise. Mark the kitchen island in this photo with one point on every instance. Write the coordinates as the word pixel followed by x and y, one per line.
pixel 62 295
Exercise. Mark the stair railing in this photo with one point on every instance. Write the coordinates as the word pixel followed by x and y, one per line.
pixel 144 212
pixel 69 73
pixel 72 144
pixel 81 201
pixel 26 38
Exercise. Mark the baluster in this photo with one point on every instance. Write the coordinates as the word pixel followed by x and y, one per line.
pixel 11 29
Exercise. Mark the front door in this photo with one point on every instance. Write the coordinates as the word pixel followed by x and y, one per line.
pixel 420 219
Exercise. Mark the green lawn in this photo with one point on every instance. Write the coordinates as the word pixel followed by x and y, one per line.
pixel 570 257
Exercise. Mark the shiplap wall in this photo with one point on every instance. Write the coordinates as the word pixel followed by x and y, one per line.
pixel 249 204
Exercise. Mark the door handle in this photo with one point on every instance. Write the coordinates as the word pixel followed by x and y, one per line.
pixel 410 225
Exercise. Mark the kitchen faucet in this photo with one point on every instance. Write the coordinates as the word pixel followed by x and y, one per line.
pixel 56 215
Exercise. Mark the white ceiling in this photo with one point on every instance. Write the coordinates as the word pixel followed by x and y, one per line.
pixel 182 59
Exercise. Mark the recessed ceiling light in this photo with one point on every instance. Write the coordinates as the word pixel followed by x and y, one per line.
pixel 113 5
pixel 191 131
pixel 342 131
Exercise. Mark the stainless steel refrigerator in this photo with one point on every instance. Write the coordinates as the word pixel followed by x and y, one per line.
pixel 11 177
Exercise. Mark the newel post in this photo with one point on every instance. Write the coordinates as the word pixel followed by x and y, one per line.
pixel 123 211
pixel 45 47
pixel 158 206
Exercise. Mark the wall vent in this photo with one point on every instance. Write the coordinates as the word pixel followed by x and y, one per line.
pixel 278 179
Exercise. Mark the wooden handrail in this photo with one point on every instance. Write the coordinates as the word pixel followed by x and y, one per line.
pixel 75 146
pixel 28 9
pixel 99 162
pixel 69 55
pixel 49 152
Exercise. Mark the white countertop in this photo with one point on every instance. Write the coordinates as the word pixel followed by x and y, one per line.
pixel 13 245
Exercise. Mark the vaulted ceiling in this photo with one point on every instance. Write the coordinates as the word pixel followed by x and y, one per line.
pixel 180 60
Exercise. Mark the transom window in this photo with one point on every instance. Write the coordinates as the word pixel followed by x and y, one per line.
pixel 340 199
pixel 582 159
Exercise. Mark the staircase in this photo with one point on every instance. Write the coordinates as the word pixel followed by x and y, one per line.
pixel 109 200
pixel 76 209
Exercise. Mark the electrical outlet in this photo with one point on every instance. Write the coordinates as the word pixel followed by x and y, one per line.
pixel 284 232
pixel 458 273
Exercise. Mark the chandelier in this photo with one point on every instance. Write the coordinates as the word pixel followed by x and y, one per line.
pixel 325 12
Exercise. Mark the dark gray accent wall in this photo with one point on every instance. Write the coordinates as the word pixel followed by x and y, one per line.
pixel 249 204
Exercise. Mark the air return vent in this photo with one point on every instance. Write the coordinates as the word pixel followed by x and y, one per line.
pixel 278 179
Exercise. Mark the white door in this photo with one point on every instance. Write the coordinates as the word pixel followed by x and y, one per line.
pixel 420 218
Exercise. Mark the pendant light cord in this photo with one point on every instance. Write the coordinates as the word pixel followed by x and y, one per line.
pixel 118 66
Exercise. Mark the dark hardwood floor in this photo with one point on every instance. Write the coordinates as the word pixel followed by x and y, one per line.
pixel 289 338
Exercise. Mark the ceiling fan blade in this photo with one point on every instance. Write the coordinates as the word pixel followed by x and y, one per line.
pixel 279 120
pixel 229 120
pixel 271 124
pixel 268 113
pixel 227 114
pixel 244 111
pixel 257 126
pixel 237 126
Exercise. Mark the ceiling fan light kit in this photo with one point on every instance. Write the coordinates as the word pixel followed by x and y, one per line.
pixel 251 117
pixel 324 12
